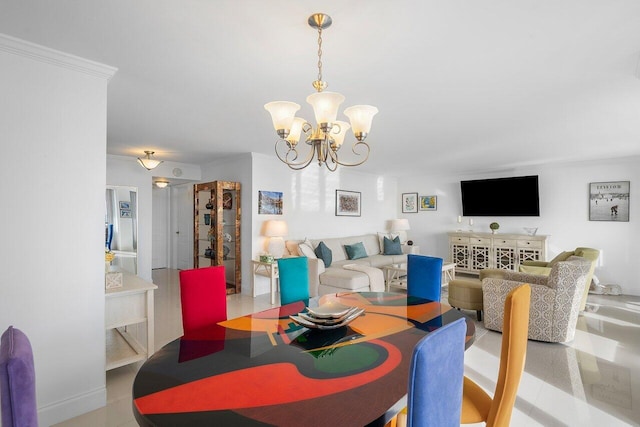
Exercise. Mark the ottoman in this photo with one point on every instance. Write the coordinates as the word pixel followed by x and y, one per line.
pixel 466 294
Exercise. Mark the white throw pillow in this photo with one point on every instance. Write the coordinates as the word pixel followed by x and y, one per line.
pixel 306 249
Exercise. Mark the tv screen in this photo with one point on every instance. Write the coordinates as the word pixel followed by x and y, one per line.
pixel 516 196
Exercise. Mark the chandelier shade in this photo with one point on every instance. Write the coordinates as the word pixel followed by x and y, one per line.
pixel 328 134
pixel 325 106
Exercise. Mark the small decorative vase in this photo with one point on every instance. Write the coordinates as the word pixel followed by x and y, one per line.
pixel 207 219
pixel 209 205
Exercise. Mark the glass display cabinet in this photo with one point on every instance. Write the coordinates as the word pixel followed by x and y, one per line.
pixel 217 215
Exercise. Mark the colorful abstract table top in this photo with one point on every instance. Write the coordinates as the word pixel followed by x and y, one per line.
pixel 263 369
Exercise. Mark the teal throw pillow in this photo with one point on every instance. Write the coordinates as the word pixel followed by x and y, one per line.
pixel 355 251
pixel 392 247
pixel 324 253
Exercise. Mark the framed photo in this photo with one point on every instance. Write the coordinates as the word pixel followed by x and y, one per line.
pixel 125 213
pixel 409 202
pixel 269 203
pixel 347 203
pixel 125 205
pixel 428 203
pixel 609 201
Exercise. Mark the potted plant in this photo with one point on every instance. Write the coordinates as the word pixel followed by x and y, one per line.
pixel 494 227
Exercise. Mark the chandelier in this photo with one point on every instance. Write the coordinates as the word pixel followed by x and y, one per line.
pixel 326 138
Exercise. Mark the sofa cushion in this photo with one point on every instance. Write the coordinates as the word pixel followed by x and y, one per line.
pixel 392 247
pixel 324 253
pixel 306 249
pixel 355 251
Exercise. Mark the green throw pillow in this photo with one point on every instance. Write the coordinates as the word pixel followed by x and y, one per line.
pixel 324 253
pixel 392 247
pixel 356 251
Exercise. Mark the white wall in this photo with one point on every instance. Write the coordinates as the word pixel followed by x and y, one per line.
pixel 564 215
pixel 53 136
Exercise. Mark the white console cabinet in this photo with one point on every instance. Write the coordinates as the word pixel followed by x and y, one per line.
pixel 473 251
pixel 125 308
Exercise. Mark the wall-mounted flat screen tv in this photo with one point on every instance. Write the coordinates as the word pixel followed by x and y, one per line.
pixel 515 196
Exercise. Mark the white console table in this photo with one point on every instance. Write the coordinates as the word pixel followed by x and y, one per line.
pixel 129 305
pixel 472 251
pixel 266 269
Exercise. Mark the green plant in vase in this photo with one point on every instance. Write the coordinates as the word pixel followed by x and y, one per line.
pixel 494 227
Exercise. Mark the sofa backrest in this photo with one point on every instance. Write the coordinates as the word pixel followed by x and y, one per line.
pixel 336 244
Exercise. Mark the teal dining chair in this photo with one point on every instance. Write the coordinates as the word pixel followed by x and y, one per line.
pixel 424 276
pixel 294 279
pixel 436 379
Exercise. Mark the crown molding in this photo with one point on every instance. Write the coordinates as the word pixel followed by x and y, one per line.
pixel 55 57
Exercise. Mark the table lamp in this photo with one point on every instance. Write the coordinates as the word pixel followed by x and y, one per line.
pixel 400 225
pixel 275 230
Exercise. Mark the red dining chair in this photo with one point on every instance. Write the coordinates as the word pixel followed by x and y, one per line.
pixel 203 293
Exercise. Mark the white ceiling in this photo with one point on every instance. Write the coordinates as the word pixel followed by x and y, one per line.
pixel 462 86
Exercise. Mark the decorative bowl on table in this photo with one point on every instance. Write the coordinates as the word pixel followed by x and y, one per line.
pixel 327 316
pixel 531 231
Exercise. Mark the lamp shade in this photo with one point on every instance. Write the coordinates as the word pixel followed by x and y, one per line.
pixel 401 224
pixel 147 162
pixel 296 129
pixel 276 228
pixel 361 117
pixel 325 105
pixel 339 132
pixel 282 113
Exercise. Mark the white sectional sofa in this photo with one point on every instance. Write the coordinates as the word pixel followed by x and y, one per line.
pixel 335 278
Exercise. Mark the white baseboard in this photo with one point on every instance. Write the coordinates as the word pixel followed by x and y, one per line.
pixel 72 407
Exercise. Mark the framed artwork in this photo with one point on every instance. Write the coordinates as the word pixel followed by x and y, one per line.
pixel 609 201
pixel 269 203
pixel 428 203
pixel 125 205
pixel 347 203
pixel 125 213
pixel 409 202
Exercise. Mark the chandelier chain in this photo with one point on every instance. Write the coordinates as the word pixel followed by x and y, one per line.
pixel 320 54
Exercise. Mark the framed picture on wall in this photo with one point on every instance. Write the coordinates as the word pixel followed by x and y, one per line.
pixel 347 203
pixel 428 203
pixel 269 203
pixel 409 202
pixel 125 205
pixel 609 201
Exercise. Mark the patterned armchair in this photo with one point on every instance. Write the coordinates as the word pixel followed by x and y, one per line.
pixel 555 299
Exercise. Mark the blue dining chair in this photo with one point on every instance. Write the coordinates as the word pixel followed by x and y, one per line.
pixel 294 279
pixel 424 277
pixel 436 377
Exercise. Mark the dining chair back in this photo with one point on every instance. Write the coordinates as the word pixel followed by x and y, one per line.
pixel 203 294
pixel 435 377
pixel 17 380
pixel 477 405
pixel 294 279
pixel 424 276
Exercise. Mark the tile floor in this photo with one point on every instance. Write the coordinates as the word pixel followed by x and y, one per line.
pixel 592 381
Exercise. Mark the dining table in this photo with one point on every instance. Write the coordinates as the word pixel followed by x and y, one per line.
pixel 265 369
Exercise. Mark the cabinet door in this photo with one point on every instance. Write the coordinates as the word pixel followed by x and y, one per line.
pixel 480 249
pixel 529 250
pixel 460 255
pixel 504 251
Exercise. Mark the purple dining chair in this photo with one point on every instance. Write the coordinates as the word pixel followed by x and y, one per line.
pixel 17 380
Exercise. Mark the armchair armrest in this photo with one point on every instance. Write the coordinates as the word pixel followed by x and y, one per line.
pixel 536 263
pixel 534 269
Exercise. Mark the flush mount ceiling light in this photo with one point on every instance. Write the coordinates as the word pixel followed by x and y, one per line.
pixel 147 162
pixel 327 137
pixel 161 183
